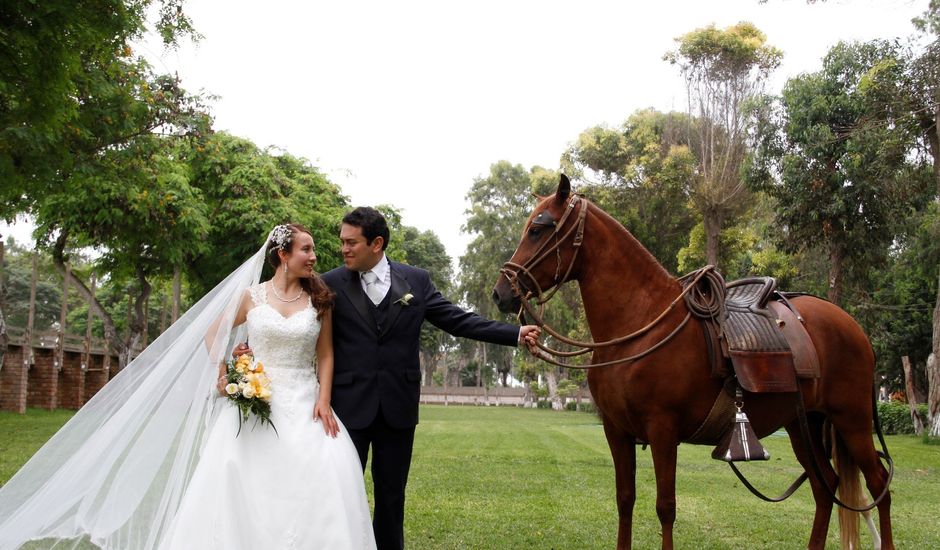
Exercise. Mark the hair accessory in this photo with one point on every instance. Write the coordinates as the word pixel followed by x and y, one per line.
pixel 281 236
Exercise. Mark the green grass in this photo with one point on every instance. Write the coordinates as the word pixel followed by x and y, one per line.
pixel 23 435
pixel 507 478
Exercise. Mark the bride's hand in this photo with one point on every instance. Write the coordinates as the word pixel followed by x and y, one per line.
pixel 241 349
pixel 323 411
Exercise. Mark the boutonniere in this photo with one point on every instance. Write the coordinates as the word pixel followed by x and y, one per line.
pixel 405 300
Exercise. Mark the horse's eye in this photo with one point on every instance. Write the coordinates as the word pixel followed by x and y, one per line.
pixel 534 232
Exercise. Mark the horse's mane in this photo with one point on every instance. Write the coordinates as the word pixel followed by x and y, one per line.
pixel 625 233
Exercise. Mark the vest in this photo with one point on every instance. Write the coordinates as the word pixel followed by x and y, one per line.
pixel 380 312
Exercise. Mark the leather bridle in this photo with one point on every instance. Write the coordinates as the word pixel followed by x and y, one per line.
pixel 512 270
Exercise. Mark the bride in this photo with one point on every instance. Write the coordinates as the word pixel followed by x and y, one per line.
pixel 156 458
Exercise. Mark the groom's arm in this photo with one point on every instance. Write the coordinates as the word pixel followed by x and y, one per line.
pixel 454 320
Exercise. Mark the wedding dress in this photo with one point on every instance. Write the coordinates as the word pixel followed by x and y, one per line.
pixel 290 489
pixel 152 461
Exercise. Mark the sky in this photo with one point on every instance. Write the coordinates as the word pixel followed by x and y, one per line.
pixel 408 102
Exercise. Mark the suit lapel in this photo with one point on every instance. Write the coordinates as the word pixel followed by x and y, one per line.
pixel 357 297
pixel 399 288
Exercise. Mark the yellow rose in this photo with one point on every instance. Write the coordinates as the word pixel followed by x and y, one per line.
pixel 248 391
pixel 265 394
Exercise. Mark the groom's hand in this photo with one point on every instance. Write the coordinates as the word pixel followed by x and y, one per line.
pixel 241 349
pixel 529 335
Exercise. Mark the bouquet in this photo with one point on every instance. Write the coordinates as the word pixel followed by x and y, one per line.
pixel 249 389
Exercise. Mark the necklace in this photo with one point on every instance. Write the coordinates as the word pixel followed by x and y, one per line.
pixel 278 296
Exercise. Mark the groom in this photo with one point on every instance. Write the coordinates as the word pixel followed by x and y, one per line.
pixel 377 315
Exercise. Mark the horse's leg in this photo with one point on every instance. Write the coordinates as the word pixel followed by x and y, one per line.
pixel 664 451
pixel 860 446
pixel 804 454
pixel 623 451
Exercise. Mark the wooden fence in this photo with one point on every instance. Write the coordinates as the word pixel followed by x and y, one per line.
pixel 495 397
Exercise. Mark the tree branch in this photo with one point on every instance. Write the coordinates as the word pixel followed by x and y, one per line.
pixel 58 259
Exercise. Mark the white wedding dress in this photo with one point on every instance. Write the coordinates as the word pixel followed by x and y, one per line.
pixel 294 489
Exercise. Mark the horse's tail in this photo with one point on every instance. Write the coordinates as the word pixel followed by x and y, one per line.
pixel 849 492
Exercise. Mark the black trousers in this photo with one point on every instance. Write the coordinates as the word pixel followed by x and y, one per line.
pixel 391 460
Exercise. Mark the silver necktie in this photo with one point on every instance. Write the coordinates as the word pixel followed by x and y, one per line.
pixel 372 289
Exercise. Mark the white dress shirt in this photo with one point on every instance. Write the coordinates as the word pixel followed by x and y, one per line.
pixel 383 271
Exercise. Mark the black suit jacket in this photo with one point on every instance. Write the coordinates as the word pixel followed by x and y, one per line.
pixel 373 368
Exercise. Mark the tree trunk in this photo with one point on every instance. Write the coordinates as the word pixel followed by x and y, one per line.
pixel 3 324
pixel 94 306
pixel 177 291
pixel 834 293
pixel 482 365
pixel 552 376
pixel 430 361
pixel 916 420
pixel 712 225
pixel 933 378
pixel 31 318
pixel 933 363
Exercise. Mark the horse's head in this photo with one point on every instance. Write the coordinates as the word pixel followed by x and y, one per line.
pixel 545 256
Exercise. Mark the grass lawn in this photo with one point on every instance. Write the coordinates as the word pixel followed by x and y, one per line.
pixel 507 478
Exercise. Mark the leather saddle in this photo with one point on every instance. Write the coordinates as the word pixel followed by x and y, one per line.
pixel 763 336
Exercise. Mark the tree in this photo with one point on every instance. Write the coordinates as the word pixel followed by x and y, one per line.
pixel 136 205
pixel 725 71
pixel 927 84
pixel 51 53
pixel 247 191
pixel 644 168
pixel 78 114
pixel 499 206
pixel 847 173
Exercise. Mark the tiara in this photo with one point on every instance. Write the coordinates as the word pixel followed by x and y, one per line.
pixel 281 236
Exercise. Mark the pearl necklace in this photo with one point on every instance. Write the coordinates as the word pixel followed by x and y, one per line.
pixel 278 296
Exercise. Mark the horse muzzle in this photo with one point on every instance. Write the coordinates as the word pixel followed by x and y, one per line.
pixel 506 299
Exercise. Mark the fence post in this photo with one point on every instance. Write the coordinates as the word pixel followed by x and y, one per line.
pixel 86 355
pixel 28 344
pixel 63 311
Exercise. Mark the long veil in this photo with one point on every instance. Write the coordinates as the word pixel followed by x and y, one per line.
pixel 114 475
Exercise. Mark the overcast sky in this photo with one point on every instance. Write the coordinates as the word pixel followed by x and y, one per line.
pixel 406 103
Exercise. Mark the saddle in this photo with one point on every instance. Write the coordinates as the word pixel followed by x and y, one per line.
pixel 765 338
pixel 755 334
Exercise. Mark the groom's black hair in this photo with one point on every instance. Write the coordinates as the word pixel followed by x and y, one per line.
pixel 372 223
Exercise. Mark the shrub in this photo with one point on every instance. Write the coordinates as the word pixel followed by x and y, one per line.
pixel 896 417
pixel 586 406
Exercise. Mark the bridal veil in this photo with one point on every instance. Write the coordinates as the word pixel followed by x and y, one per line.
pixel 113 476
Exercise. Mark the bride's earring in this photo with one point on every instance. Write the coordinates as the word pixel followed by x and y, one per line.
pixel 285 268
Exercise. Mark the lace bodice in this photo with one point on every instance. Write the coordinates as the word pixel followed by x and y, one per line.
pixel 282 342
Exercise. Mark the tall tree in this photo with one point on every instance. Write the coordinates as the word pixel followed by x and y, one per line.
pixel 725 71
pixel 846 168
pixel 499 206
pixel 49 53
pixel 78 114
pixel 927 83
pixel 640 174
pixel 247 190
pixel 137 207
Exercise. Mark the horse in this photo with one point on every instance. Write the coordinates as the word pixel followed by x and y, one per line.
pixel 657 388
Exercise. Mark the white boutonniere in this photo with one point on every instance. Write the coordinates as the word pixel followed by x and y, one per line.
pixel 405 300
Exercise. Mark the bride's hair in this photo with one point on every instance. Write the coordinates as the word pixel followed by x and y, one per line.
pixel 320 294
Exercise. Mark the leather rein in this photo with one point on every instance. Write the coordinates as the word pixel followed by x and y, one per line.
pixel 512 271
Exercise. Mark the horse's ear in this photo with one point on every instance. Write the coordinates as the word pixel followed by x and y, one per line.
pixel 564 189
